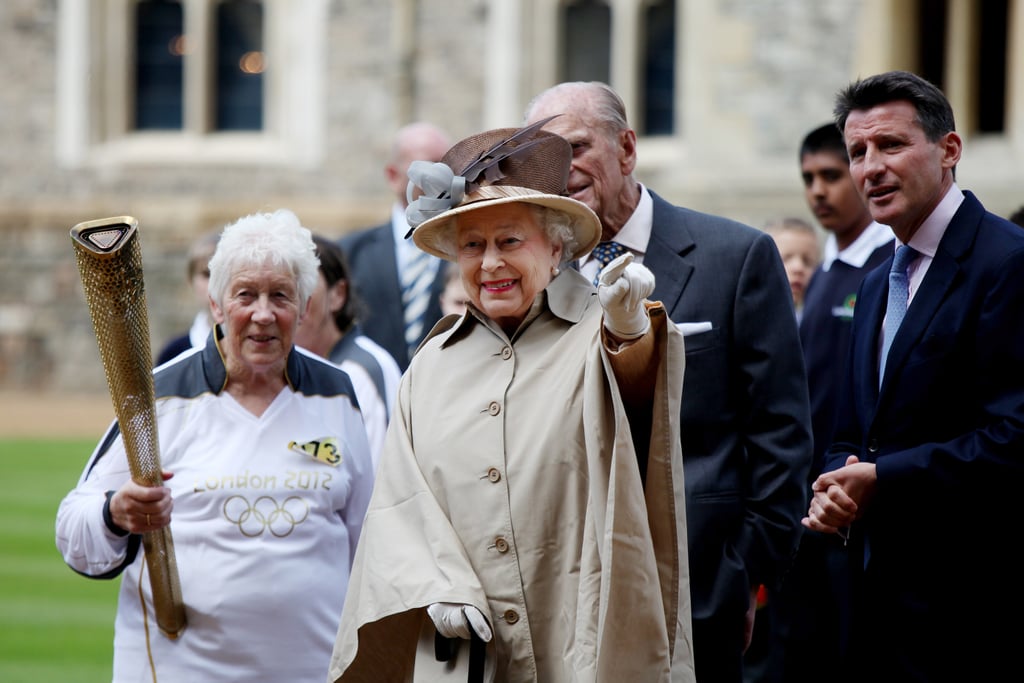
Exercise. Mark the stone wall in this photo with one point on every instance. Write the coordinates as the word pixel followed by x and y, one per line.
pixel 759 74
pixel 46 340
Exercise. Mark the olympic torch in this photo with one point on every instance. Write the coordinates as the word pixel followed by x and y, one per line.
pixel 110 263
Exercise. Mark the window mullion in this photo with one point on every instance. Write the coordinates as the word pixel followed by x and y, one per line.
pixel 1015 69
pixel 625 53
pixel 118 70
pixel 198 66
pixel 961 62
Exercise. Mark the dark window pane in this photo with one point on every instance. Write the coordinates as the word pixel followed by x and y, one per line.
pixel 659 68
pixel 931 54
pixel 586 35
pixel 240 65
pixel 159 46
pixel 992 66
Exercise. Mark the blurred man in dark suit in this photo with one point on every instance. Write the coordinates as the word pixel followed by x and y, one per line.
pixel 398 284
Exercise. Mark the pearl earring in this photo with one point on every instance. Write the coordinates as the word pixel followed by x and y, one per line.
pixel 555 271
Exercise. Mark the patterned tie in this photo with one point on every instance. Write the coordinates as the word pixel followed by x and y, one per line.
pixel 416 282
pixel 899 289
pixel 605 253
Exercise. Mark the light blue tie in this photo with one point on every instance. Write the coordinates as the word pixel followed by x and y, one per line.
pixel 605 253
pixel 899 290
pixel 417 278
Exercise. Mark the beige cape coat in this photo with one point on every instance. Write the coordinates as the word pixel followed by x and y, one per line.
pixel 509 481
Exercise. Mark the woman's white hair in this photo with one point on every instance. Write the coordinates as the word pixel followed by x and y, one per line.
pixel 560 228
pixel 276 238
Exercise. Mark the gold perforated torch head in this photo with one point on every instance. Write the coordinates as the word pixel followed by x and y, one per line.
pixel 110 263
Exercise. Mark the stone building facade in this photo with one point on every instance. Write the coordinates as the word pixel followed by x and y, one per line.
pixel 746 79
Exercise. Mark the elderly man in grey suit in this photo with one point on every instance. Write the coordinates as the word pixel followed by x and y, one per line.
pixel 399 285
pixel 745 420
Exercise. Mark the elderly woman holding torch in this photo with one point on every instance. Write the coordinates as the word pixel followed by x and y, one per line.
pixel 271 479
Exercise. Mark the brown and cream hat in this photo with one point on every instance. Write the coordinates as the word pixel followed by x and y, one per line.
pixel 495 167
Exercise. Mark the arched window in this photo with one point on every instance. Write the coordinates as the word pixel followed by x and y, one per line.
pixel 191 81
pixel 659 80
pixel 238 92
pixel 586 32
pixel 962 48
pixel 630 44
pixel 159 67
pixel 215 67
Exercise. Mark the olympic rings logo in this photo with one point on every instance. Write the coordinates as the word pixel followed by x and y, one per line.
pixel 266 515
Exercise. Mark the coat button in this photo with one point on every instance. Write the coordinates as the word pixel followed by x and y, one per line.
pixel 501 545
pixel 873 446
pixel 506 353
pixel 494 408
pixel 511 616
pixel 494 475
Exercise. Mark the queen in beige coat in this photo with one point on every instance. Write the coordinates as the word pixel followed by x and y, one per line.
pixel 530 492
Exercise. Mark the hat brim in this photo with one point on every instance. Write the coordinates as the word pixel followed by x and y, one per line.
pixel 428 236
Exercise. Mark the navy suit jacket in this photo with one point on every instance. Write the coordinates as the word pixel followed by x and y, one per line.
pixel 374 271
pixel 946 433
pixel 825 338
pixel 745 420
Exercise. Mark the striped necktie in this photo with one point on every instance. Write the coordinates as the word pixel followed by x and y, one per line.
pixel 605 253
pixel 417 278
pixel 896 308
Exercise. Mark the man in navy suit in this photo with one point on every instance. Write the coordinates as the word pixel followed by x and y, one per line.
pixel 378 256
pixel 745 423
pixel 927 462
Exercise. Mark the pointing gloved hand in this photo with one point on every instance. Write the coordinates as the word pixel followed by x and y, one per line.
pixel 454 621
pixel 623 287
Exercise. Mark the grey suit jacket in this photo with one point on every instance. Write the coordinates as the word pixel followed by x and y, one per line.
pixel 745 417
pixel 371 258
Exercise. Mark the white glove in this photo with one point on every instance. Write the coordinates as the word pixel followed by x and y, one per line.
pixel 623 287
pixel 453 620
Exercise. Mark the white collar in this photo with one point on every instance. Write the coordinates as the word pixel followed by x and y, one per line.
pixel 860 250
pixel 926 239
pixel 636 233
pixel 399 223
pixel 405 249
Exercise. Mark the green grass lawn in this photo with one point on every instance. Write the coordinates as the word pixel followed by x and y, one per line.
pixel 55 625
